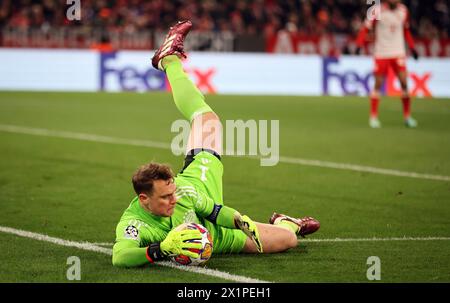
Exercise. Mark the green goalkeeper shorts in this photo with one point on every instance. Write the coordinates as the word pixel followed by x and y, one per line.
pixel 203 168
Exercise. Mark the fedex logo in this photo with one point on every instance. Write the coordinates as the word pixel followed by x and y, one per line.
pixel 354 81
pixel 120 71
pixel 123 76
pixel 203 79
pixel 419 87
pixel 350 82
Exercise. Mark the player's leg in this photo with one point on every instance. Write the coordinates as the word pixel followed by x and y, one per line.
pixel 206 133
pixel 406 99
pixel 204 147
pixel 374 122
pixel 281 234
pixel 274 239
pixel 206 129
pixel 380 74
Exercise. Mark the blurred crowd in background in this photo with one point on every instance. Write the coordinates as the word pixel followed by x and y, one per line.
pixel 44 23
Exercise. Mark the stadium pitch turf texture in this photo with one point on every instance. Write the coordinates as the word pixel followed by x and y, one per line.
pixel 76 189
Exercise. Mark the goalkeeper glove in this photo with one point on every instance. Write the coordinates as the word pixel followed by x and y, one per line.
pixel 176 243
pixel 249 227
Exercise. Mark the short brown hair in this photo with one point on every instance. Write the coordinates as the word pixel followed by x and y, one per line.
pixel 143 178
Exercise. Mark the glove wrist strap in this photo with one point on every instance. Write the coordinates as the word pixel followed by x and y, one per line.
pixel 154 253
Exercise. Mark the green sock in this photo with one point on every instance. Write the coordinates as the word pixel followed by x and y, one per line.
pixel 288 225
pixel 188 99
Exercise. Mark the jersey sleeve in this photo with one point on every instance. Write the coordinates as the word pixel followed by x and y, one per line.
pixel 203 204
pixel 368 24
pixel 407 32
pixel 132 239
pixel 127 254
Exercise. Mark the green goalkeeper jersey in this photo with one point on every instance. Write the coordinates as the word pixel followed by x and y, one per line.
pixel 144 228
pixel 138 228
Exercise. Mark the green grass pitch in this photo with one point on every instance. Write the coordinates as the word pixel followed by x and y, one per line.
pixel 77 190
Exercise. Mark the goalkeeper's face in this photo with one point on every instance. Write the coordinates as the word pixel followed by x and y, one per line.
pixel 162 201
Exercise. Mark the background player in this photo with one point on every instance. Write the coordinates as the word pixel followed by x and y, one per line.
pixel 391 29
pixel 164 201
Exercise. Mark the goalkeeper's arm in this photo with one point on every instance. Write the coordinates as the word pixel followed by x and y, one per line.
pixel 127 253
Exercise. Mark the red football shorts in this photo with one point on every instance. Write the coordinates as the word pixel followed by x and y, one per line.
pixel 382 65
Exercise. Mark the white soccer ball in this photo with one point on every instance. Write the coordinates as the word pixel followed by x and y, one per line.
pixel 205 252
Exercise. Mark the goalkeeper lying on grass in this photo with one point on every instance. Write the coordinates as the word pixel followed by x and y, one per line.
pixel 164 201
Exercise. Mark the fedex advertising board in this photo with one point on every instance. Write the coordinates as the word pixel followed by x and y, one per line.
pixel 48 70
pixel 221 73
pixel 216 73
pixel 349 75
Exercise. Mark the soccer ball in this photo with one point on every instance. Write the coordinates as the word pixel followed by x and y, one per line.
pixel 205 252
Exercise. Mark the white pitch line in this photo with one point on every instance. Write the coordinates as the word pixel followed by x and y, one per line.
pixel 361 168
pixel 91 247
pixel 80 136
pixel 40 237
pixel 375 239
pixel 162 145
pixel 102 243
